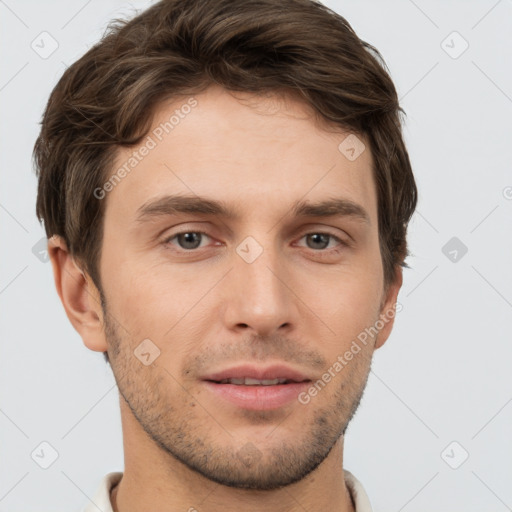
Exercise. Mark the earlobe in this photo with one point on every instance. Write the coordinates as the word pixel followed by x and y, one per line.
pixel 79 296
pixel 389 309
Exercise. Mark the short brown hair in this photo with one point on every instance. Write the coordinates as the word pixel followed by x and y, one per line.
pixel 108 99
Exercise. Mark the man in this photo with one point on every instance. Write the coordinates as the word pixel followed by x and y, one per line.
pixel 226 191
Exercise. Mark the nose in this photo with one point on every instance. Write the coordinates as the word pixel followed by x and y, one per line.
pixel 259 295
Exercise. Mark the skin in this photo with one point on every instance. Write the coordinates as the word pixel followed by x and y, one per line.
pixel 207 309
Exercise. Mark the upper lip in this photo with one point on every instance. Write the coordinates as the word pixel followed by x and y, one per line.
pixel 276 371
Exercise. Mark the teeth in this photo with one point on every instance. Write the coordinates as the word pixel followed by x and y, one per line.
pixel 248 381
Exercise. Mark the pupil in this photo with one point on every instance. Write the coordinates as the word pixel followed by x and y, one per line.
pixel 318 236
pixel 189 238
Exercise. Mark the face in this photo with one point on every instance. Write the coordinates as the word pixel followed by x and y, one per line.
pixel 251 271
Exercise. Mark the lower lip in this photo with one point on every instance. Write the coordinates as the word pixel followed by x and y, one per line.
pixel 258 397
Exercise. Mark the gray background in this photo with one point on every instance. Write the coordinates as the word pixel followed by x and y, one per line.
pixel 442 377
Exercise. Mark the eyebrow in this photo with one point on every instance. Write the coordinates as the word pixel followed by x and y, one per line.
pixel 196 205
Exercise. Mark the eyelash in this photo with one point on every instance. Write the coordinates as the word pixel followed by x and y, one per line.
pixel 342 243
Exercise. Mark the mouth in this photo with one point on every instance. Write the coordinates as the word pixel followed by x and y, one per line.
pixel 249 387
pixel 248 374
pixel 249 381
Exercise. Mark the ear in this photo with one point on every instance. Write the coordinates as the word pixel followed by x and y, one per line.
pixel 78 294
pixel 389 308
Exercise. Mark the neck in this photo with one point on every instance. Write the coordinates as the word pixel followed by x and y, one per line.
pixel 155 480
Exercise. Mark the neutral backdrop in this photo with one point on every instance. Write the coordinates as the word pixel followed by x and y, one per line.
pixel 433 431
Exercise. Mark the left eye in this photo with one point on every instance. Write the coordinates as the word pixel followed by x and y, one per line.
pixel 322 239
pixel 191 240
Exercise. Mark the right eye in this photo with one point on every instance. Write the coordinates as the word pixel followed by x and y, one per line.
pixel 187 240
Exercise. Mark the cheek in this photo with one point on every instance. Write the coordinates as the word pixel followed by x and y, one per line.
pixel 349 306
pixel 158 302
pixel 134 297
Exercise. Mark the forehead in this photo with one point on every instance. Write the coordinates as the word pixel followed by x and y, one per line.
pixel 258 153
